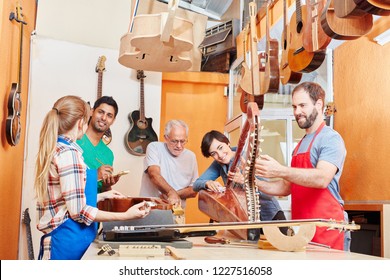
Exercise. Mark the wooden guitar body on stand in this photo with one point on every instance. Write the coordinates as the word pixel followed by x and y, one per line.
pixel 141 132
pixel 13 125
pixel 100 68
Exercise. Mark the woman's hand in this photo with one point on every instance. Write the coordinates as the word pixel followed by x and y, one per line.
pixel 214 186
pixel 138 211
pixel 109 194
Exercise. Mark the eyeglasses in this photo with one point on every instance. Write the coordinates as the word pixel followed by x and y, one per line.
pixel 176 142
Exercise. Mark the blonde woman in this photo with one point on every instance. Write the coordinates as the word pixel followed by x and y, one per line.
pixel 66 188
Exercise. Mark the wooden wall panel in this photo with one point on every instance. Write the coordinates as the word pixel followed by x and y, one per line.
pixel 11 163
pixel 198 99
pixel 362 98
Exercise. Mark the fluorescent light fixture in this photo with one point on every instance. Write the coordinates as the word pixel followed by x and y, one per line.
pixel 383 38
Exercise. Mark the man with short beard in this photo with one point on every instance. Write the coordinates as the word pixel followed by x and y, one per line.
pixel 316 168
pixel 97 155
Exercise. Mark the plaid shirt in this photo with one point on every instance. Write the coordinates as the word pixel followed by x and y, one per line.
pixel 65 191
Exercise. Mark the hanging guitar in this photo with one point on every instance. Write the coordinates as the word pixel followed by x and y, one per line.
pixel 270 79
pixel 13 126
pixel 299 59
pixel 26 220
pixel 286 75
pixel 100 68
pixel 141 132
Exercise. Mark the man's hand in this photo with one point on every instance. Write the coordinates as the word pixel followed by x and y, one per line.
pixel 173 198
pixel 105 174
pixel 267 167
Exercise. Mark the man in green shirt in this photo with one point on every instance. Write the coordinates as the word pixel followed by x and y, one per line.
pixel 97 155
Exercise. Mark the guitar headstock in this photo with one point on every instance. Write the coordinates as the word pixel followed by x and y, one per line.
pixel 140 74
pixel 100 66
pixel 330 109
pixel 26 217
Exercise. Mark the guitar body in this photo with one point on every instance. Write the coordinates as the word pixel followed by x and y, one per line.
pixel 144 48
pixel 13 126
pixel 347 8
pixel 375 7
pixel 271 73
pixel 299 59
pixel 140 135
pixel 314 38
pixel 247 97
pixel 347 28
pixel 286 74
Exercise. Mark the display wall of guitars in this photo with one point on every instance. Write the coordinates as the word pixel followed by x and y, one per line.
pixel 305 38
pixel 13 125
pixel 100 68
pixel 141 132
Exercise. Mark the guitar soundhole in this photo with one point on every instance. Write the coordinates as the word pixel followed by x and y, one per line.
pixel 142 124
pixel 299 27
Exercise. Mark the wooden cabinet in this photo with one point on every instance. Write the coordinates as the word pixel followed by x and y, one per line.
pixel 374 236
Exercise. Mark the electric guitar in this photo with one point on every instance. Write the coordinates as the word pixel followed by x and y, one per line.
pixel 26 220
pixel 100 68
pixel 13 126
pixel 141 132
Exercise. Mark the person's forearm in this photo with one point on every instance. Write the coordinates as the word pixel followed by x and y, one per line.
pixel 275 188
pixel 187 192
pixel 161 184
pixel 309 177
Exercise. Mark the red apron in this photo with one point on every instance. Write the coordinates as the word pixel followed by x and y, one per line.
pixel 314 203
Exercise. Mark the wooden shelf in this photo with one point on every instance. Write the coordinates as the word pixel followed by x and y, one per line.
pixel 384 212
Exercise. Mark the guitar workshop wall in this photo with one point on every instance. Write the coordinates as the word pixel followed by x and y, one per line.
pixel 11 163
pixel 58 67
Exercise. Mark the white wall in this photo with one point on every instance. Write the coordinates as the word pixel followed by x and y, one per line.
pixel 60 68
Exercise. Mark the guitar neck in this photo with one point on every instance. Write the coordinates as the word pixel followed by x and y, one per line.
pixel 254 57
pixel 30 247
pixel 142 100
pixel 298 11
pixel 100 84
pixel 19 89
pixel 331 224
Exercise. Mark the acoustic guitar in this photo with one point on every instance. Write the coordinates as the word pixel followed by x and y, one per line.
pixel 271 73
pixel 13 125
pixel 100 68
pixel 27 220
pixel 286 74
pixel 315 39
pixel 141 132
pixel 375 7
pixel 346 28
pixel 299 59
pixel 246 82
